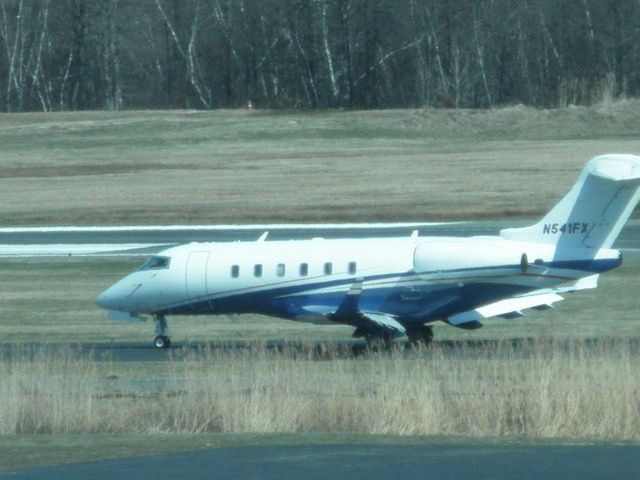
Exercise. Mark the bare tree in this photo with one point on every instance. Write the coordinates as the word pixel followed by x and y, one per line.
pixel 189 54
pixel 85 54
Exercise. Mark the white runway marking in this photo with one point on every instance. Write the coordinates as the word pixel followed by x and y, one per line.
pixel 283 226
pixel 56 244
pixel 72 249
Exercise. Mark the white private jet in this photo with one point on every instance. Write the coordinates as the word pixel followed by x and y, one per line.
pixel 387 287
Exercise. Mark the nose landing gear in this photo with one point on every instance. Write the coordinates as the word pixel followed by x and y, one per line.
pixel 162 339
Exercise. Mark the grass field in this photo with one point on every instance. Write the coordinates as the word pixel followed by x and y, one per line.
pixel 244 167
pixel 199 167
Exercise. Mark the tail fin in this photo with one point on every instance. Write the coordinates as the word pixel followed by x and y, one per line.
pixel 594 211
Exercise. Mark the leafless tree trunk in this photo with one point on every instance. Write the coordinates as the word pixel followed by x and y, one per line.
pixel 37 78
pixel 483 73
pixel 13 41
pixel 189 54
pixel 113 54
pixel 433 34
pixel 327 53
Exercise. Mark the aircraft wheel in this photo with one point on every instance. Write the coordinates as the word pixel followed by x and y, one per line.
pixel 162 341
pixel 162 332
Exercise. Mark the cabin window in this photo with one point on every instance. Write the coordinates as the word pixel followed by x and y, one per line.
pixel 280 270
pixel 328 268
pixel 156 263
pixel 353 267
pixel 257 270
pixel 304 269
pixel 235 271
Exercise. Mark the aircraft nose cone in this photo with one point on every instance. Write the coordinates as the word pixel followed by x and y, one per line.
pixel 121 296
pixel 116 296
pixel 106 299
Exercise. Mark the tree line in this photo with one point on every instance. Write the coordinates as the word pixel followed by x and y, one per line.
pixel 306 54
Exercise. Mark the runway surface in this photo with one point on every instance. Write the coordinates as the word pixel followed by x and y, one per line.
pixel 105 241
pixel 318 351
pixel 368 462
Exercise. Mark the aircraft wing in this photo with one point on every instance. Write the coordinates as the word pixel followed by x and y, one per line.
pixel 373 320
pixel 383 321
pixel 580 284
pixel 512 307
pixel 509 308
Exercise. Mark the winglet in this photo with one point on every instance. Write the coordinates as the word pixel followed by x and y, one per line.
pixel 263 237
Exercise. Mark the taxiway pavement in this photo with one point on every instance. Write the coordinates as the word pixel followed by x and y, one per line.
pixel 145 240
pixel 367 462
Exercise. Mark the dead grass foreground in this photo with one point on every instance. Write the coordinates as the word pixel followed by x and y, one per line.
pixel 573 390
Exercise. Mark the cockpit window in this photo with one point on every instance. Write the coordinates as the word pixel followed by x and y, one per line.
pixel 156 263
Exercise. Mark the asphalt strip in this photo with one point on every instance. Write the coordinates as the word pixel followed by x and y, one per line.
pixel 367 462
pixel 39 250
pixel 284 226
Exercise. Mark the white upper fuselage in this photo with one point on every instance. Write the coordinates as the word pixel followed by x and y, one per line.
pixel 413 279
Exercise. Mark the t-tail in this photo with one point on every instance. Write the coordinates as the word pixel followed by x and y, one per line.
pixel 594 211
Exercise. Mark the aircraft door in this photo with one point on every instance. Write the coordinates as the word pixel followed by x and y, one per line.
pixel 196 279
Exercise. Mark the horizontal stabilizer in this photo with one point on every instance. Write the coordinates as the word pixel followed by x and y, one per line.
pixel 581 284
pixel 509 308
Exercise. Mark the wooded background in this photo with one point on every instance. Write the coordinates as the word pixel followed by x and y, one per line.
pixel 203 54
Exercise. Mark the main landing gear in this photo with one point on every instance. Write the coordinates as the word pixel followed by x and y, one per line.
pixel 420 335
pixel 162 339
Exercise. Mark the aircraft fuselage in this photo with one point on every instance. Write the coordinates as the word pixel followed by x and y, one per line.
pixel 416 279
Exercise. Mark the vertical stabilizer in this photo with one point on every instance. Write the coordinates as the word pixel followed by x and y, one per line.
pixel 594 211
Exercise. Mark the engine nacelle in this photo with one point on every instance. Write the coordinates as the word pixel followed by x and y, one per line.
pixel 442 254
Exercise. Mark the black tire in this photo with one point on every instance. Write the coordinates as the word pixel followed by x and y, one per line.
pixel 162 342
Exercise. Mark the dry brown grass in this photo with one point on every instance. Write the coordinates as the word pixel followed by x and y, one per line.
pixel 573 390
pixel 237 166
